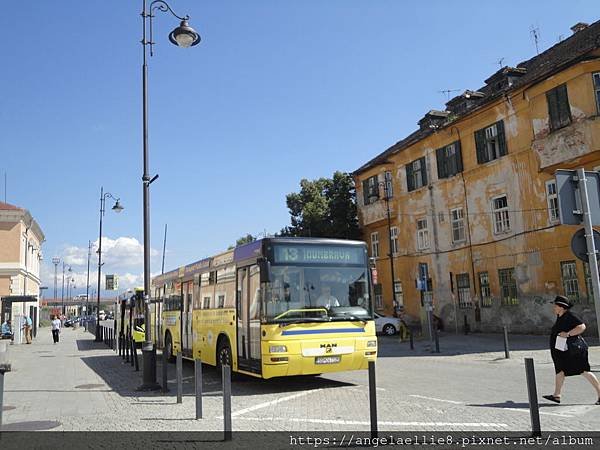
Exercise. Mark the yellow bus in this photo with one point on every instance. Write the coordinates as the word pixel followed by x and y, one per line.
pixel 273 307
pixel 129 315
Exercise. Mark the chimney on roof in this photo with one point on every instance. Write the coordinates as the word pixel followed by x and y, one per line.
pixel 579 26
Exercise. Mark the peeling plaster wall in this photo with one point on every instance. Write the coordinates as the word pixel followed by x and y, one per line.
pixel 534 247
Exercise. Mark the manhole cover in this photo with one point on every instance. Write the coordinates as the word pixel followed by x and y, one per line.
pixel 89 386
pixel 8 408
pixel 37 425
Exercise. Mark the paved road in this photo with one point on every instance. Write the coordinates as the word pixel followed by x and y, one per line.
pixel 81 385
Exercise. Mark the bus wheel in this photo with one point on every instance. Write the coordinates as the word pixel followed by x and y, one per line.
pixel 223 355
pixel 169 347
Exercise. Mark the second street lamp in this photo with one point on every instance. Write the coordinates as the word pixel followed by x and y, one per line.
pixel 116 208
pixel 182 36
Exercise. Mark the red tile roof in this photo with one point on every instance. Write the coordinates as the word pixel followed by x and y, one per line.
pixel 7 206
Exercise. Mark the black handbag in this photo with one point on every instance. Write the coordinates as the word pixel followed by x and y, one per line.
pixel 576 345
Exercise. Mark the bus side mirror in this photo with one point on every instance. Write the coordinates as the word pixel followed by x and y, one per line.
pixel 265 271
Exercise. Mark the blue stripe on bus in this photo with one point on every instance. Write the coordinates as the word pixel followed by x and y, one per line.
pixel 328 330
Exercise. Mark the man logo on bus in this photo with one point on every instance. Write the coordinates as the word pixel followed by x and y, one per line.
pixel 328 347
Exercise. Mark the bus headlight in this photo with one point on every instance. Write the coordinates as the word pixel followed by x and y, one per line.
pixel 277 349
pixel 371 343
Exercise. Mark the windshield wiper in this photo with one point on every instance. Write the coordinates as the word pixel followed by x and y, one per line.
pixel 302 320
pixel 349 317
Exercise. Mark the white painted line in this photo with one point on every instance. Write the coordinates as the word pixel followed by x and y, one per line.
pixel 523 410
pixel 437 399
pixel 272 402
pixel 578 410
pixel 401 424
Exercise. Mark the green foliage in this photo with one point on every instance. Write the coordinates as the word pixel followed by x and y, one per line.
pixel 325 207
pixel 243 240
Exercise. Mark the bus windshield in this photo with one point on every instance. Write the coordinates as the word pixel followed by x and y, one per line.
pixel 304 294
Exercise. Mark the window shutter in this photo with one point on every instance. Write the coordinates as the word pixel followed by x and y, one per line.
pixel 480 145
pixel 552 100
pixel 564 110
pixel 441 163
pixel 409 178
pixel 501 138
pixel 423 171
pixel 458 156
pixel 365 185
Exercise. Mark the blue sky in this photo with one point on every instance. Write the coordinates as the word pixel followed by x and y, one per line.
pixel 276 91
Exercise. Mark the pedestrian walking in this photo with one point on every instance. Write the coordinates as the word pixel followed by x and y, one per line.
pixel 55 328
pixel 28 324
pixel 568 349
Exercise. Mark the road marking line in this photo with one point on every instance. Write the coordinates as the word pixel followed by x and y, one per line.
pixel 358 422
pixel 541 412
pixel 578 410
pixel 437 399
pixel 272 402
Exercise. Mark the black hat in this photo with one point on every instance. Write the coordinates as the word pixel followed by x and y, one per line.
pixel 562 301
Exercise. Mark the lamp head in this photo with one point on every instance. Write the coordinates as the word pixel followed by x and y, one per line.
pixel 118 207
pixel 184 35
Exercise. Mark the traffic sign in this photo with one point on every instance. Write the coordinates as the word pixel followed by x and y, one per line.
pixel 579 244
pixel 569 198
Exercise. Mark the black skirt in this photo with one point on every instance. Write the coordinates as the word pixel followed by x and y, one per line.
pixel 565 361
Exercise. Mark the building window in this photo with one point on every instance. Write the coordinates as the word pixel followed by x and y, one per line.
pixel 458 225
pixel 596 78
pixel 484 288
pixel 370 190
pixel 389 185
pixel 508 287
pixel 394 240
pixel 463 286
pixel 378 296
pixel 399 293
pixel 206 303
pixel 490 143
pixel 422 234
pixel 375 245
pixel 449 160
pixel 552 198
pixel 500 214
pixel 568 271
pixel 416 174
pixel 221 299
pixel 558 107
pixel 588 282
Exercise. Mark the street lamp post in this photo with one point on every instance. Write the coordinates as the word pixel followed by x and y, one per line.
pixel 386 197
pixel 55 261
pixel 62 292
pixel 182 36
pixel 87 288
pixel 116 208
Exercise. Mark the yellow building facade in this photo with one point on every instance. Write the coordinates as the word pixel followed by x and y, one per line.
pixel 472 197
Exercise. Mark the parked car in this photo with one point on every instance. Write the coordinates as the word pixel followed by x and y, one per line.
pixel 386 325
pixel 72 321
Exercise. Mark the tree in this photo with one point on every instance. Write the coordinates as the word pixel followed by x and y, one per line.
pixel 325 207
pixel 242 240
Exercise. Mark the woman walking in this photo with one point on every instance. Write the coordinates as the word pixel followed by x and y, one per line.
pixel 571 361
pixel 55 328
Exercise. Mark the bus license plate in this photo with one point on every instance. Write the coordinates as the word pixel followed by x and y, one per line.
pixel 328 359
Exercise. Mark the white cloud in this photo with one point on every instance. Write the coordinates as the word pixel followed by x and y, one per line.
pixel 123 257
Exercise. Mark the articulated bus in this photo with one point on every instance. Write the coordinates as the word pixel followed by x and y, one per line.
pixel 274 307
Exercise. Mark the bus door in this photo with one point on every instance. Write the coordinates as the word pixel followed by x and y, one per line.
pixel 186 319
pixel 248 318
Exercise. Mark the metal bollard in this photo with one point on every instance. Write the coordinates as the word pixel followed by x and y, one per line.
pixel 437 340
pixel 1 395
pixel 226 377
pixel 126 349
pixel 135 356
pixel 198 373
pixel 373 399
pixel 534 409
pixel 506 351
pixel 179 377
pixel 165 387
pixel 412 341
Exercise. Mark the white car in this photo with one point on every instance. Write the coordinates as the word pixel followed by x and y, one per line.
pixel 386 325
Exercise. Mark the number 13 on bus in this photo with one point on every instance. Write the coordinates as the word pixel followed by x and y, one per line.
pixel 274 307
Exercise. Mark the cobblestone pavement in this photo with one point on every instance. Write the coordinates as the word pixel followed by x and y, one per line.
pixel 82 385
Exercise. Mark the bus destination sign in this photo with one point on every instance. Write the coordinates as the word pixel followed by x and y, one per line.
pixel 318 254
